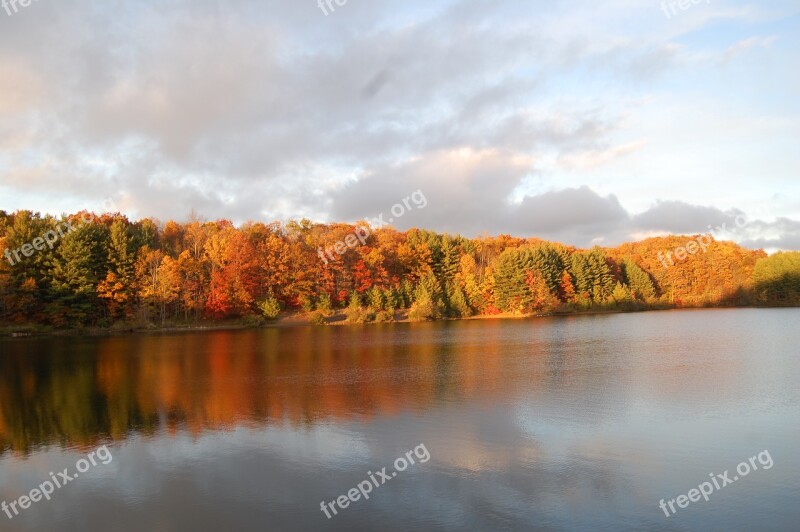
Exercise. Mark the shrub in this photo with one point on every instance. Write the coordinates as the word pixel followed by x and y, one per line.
pixel 359 315
pixel 317 318
pixel 306 303
pixel 251 320
pixel 355 312
pixel 384 316
pixel 325 306
pixel 270 308
pixel 423 310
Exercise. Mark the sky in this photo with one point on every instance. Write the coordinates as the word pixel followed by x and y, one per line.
pixel 577 121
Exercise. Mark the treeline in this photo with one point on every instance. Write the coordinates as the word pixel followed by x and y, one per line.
pixel 107 270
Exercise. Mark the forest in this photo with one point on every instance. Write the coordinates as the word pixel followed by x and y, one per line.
pixel 107 271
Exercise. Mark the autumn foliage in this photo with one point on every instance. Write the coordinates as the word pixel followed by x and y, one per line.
pixel 112 270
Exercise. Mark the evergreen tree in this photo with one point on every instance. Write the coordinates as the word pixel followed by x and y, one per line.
pixel 450 261
pixel 579 268
pixel 433 289
pixel 75 270
pixel 144 233
pixel 510 289
pixel 355 301
pixel 546 259
pixel 425 307
pixel 270 307
pixel 602 280
pixel 641 286
pixel 375 298
pixel 391 300
pixel 324 305
pixel 457 301
pixel 117 288
pixel 406 293
pixel 621 294
pixel 22 231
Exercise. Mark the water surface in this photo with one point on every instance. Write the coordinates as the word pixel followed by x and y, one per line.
pixel 569 423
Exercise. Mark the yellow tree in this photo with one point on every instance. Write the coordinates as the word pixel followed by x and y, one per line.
pixel 116 295
pixel 540 296
pixel 467 277
pixel 193 283
pixel 168 283
pixel 147 264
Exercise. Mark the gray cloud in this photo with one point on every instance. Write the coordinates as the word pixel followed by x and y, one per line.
pixel 782 234
pixel 577 215
pixel 466 190
pixel 680 217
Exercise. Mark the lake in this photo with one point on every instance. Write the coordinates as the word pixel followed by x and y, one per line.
pixel 563 423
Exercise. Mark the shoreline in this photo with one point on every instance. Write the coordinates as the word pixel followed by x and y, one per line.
pixel 302 319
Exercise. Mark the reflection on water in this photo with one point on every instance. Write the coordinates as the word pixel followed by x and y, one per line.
pixel 75 392
pixel 564 423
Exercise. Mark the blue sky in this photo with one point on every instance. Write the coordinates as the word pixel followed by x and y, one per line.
pixel 584 122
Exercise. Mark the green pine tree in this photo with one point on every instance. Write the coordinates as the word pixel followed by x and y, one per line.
pixel 621 294
pixel 75 269
pixel 376 298
pixel 424 306
pixel 602 280
pixel 579 269
pixel 511 290
pixel 457 301
pixel 640 283
pixel 449 262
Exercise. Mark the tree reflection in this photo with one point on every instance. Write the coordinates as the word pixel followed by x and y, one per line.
pixel 77 392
